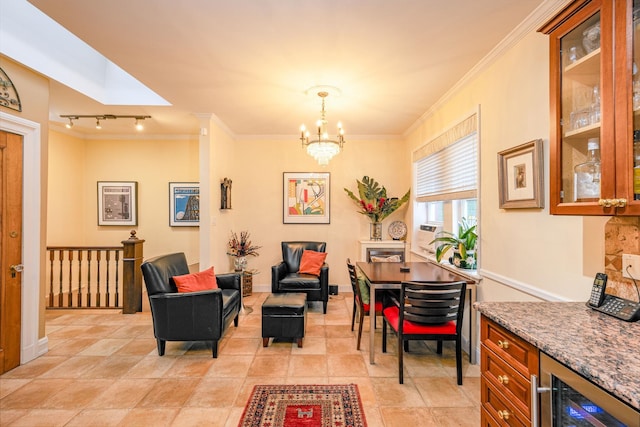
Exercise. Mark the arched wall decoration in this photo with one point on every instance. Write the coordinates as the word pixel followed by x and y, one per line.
pixel 8 94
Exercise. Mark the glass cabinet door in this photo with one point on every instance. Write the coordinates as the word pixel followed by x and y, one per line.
pixel 580 109
pixel 635 96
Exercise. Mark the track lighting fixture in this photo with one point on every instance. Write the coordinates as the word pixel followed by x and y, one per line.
pixel 102 117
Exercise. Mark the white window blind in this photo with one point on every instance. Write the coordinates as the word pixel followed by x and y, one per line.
pixel 451 172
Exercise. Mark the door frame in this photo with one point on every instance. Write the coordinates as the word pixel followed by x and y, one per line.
pixel 30 344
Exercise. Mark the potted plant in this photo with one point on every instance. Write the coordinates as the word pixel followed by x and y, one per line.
pixel 373 202
pixel 241 248
pixel 463 244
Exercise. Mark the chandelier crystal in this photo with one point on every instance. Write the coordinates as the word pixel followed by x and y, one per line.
pixel 321 147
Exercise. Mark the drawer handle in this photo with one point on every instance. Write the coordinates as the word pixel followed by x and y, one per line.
pixel 503 344
pixel 503 415
pixel 503 379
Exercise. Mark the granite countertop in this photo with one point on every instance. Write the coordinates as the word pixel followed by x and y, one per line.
pixel 601 348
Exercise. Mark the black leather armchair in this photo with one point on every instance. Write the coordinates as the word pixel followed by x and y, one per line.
pixel 285 276
pixel 192 316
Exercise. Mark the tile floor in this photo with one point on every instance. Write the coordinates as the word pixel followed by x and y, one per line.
pixel 102 369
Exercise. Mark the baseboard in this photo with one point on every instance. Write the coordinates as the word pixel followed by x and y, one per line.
pixel 28 354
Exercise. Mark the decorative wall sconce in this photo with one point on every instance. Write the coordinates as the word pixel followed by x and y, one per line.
pixel 225 194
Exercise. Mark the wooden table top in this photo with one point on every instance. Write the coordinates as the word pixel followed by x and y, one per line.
pixel 389 272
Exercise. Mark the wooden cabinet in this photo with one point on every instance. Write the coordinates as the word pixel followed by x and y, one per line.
pixel 594 82
pixel 507 363
pixel 247 283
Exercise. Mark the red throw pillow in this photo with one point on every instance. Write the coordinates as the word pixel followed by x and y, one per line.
pixel 202 281
pixel 311 262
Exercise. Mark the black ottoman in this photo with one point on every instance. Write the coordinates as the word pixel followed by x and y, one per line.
pixel 284 316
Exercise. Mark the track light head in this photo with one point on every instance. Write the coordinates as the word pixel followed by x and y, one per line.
pixel 101 117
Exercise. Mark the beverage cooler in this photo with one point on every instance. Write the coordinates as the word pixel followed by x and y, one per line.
pixel 569 400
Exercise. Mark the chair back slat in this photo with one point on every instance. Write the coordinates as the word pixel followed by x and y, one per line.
pixel 353 275
pixel 432 303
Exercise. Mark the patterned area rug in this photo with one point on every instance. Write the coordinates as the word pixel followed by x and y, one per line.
pixel 304 406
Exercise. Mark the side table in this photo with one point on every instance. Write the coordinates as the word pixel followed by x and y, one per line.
pixel 246 281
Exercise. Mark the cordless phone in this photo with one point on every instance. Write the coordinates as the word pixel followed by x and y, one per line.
pixel 617 307
pixel 597 291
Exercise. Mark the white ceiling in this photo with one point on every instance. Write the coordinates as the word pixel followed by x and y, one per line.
pixel 250 62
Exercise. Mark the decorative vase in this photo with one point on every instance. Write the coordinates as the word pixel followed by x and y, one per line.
pixel 240 263
pixel 375 231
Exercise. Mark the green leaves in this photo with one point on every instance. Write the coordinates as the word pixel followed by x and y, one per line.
pixel 373 201
pixel 466 239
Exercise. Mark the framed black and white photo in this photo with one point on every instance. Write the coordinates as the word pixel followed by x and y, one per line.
pixel 520 176
pixel 117 203
pixel 184 204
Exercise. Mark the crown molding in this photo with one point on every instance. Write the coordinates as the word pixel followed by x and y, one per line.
pixel 531 23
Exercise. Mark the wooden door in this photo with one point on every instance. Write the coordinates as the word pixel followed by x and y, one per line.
pixel 11 249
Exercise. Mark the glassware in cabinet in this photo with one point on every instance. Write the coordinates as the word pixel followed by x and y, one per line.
pixel 580 100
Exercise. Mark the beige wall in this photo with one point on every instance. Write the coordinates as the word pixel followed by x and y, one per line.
pixel 66 202
pixel 257 199
pixel 76 167
pixel 255 166
pixel 527 249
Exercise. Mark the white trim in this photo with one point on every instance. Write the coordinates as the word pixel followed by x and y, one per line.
pixel 522 287
pixel 30 345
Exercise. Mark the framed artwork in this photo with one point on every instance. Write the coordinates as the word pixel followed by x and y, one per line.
pixel 184 204
pixel 520 176
pixel 117 203
pixel 306 197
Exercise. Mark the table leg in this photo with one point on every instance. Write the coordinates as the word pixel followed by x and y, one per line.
pixel 473 325
pixel 372 322
pixel 243 309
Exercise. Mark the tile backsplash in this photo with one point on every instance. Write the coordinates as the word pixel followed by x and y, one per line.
pixel 622 235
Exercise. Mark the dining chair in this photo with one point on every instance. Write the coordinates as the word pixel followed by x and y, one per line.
pixel 358 302
pixel 426 311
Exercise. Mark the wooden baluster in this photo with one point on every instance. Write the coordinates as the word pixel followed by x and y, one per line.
pixel 117 284
pixel 79 278
pixel 108 296
pixel 52 256
pixel 60 261
pixel 89 278
pixel 70 293
pixel 98 278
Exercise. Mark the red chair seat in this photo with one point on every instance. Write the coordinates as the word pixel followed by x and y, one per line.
pixel 392 314
pixel 368 306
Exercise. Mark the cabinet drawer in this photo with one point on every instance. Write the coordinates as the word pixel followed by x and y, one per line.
pixel 507 380
pixel 499 407
pixel 486 420
pixel 515 351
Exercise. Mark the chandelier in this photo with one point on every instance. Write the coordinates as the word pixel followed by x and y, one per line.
pixel 321 147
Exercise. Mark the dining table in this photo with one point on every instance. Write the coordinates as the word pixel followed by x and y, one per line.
pixel 390 275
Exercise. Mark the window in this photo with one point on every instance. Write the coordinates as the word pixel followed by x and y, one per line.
pixel 446 177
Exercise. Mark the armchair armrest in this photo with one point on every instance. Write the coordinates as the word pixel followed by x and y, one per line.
pixel 199 313
pixel 229 281
pixel 278 272
pixel 324 279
